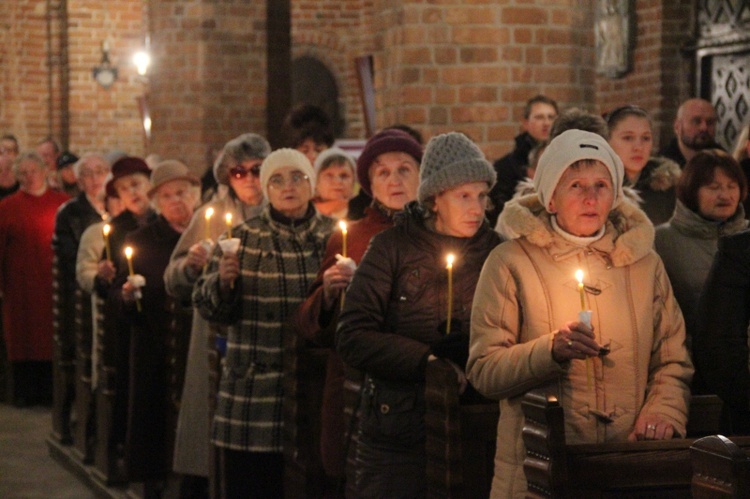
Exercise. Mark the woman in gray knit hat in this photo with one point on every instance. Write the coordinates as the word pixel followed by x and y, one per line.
pixel 399 314
pixel 238 168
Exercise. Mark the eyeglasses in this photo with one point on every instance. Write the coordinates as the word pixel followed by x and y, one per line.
pixel 238 172
pixel 278 181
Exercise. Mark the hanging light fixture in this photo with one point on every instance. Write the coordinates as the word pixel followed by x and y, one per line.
pixel 105 74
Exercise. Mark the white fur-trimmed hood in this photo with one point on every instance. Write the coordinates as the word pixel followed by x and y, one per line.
pixel 628 237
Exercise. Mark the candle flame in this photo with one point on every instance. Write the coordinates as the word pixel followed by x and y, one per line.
pixel 128 252
pixel 106 229
pixel 579 276
pixel 209 214
pixel 342 226
pixel 450 258
pixel 228 218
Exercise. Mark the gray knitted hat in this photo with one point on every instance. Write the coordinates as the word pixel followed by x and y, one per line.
pixel 449 160
pixel 242 148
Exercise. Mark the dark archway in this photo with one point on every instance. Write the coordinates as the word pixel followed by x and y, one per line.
pixel 313 83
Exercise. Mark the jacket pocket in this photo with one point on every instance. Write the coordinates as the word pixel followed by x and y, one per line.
pixel 394 412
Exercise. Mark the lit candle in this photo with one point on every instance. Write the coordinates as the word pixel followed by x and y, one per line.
pixel 585 317
pixel 129 257
pixel 228 218
pixel 105 231
pixel 450 258
pixel 209 214
pixel 342 226
pixel 581 291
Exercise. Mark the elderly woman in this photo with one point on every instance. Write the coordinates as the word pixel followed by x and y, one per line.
pixel 654 178
pixel 524 332
pixel 709 196
pixel 395 313
pixel 334 169
pixel 72 219
pixel 130 181
pixel 148 452
pixel 254 291
pixel 27 221
pixel 388 170
pixel 238 168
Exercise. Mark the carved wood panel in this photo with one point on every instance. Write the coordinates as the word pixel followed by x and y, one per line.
pixel 723 62
pixel 730 95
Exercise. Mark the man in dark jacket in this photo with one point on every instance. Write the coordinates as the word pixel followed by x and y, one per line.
pixel 694 130
pixel 538 115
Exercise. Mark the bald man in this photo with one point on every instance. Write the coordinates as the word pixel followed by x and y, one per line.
pixel 694 129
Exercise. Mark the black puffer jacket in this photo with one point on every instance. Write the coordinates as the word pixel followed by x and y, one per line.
pixel 398 297
pixel 720 342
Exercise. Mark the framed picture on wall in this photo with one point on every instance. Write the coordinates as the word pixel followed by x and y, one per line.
pixel 614 37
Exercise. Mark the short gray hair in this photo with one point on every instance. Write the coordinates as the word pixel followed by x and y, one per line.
pixel 86 158
pixel 28 156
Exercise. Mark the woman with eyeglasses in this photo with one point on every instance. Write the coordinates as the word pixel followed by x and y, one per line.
pixel 254 291
pixel 238 168
pixel 654 178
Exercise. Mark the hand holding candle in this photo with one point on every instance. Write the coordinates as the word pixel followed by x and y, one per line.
pixel 450 258
pixel 105 231
pixel 129 257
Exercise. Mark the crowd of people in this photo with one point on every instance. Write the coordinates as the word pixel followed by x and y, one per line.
pixel 583 263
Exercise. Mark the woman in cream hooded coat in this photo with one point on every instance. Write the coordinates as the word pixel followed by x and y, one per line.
pixel 523 329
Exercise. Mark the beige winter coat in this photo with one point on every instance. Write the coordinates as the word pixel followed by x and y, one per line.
pixel 527 290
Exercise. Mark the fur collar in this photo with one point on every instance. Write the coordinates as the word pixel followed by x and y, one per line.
pixel 628 237
pixel 660 174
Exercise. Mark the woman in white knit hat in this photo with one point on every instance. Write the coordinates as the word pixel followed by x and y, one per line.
pixel 334 171
pixel 399 314
pixel 621 371
pixel 254 291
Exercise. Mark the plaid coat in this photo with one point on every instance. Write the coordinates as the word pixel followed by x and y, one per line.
pixel 278 263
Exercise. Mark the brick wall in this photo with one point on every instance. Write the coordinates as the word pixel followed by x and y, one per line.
pixel 105 119
pixel 470 66
pixel 447 65
pixel 332 32
pixel 208 83
pixel 32 90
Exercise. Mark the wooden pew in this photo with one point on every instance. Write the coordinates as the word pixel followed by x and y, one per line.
pixel 721 468
pixel 623 469
pixel 84 437
pixel 63 358
pixel 460 437
pixel 108 458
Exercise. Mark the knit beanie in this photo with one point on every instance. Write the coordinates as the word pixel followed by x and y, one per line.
pixel 452 159
pixel 281 158
pixel 241 148
pixel 390 140
pixel 567 148
pixel 330 153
